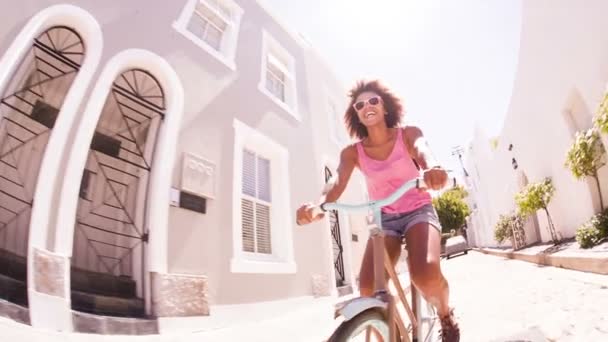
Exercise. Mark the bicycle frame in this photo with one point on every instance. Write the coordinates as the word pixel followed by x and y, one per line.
pixel 381 299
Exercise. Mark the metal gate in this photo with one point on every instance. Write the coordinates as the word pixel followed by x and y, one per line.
pixel 110 232
pixel 336 240
pixel 28 111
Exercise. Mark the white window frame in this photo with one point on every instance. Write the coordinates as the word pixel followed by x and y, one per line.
pixel 281 226
pixel 227 52
pixel 286 62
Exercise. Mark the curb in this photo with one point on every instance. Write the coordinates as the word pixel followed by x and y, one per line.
pixel 577 263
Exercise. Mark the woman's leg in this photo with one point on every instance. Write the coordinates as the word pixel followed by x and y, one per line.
pixel 423 247
pixel 366 274
pixel 423 243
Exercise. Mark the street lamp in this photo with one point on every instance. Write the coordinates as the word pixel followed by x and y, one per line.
pixel 458 151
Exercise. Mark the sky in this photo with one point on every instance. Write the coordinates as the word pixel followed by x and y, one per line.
pixel 452 62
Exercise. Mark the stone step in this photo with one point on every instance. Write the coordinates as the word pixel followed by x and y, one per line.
pixel 102 283
pixel 107 305
pixel 345 290
pixel 106 325
pixel 14 312
pixel 13 265
pixel 13 290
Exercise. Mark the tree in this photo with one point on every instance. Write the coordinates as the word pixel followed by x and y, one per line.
pixel 536 196
pixel 586 157
pixel 452 209
pixel 601 118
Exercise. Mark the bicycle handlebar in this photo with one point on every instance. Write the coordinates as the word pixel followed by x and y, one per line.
pixel 373 205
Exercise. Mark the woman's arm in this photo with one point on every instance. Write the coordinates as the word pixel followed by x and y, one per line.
pixel 434 175
pixel 335 187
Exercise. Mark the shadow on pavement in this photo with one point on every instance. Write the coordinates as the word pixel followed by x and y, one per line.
pixel 564 244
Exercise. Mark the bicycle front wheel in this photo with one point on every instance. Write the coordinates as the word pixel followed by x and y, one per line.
pixel 356 329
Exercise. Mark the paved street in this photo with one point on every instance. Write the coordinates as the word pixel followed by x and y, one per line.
pixel 507 300
pixel 495 299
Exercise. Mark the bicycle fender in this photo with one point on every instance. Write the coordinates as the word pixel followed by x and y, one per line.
pixel 358 305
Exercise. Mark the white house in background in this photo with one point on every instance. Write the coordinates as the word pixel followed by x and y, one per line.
pixel 152 157
pixel 560 80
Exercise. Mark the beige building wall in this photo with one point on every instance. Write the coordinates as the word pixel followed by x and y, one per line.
pixel 224 109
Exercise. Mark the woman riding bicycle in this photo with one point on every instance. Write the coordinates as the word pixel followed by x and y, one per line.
pixel 385 154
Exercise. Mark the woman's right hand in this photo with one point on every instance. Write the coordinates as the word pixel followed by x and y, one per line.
pixel 304 214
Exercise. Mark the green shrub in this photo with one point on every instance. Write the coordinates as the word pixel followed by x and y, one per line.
pixel 503 230
pixel 587 236
pixel 593 231
pixel 452 210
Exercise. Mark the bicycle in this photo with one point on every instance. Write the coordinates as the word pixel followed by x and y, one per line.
pixel 379 312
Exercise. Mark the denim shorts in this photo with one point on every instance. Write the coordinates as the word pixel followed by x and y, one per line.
pixel 397 224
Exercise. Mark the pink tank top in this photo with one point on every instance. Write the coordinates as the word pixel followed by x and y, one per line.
pixel 384 177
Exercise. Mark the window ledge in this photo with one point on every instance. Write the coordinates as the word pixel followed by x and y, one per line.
pixel 242 265
pixel 278 102
pixel 200 43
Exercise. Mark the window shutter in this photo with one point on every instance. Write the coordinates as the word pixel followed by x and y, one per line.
pixel 248 219
pixel 262 224
pixel 255 204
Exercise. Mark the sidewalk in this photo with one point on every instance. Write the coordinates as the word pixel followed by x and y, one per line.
pixel 565 255
pixel 304 319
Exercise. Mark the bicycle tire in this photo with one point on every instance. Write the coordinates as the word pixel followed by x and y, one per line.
pixel 358 324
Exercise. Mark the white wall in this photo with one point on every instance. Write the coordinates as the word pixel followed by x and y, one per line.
pixel 562 71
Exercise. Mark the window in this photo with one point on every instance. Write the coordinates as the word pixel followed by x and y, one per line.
pixel 213 25
pixel 209 24
pixel 275 78
pixel 278 77
pixel 262 225
pixel 256 204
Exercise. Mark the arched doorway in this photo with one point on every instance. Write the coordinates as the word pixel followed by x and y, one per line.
pixel 110 233
pixel 29 108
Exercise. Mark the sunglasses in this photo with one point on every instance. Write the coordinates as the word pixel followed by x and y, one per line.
pixel 372 101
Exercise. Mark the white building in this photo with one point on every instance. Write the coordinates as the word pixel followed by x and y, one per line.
pixel 560 80
pixel 152 157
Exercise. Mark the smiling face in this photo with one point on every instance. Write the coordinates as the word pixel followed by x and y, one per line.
pixel 370 108
pixel 371 104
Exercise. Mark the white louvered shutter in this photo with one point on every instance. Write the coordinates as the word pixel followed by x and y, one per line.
pixel 256 204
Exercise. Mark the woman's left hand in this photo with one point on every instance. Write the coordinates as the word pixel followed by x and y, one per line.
pixel 435 178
